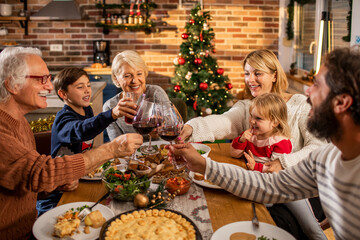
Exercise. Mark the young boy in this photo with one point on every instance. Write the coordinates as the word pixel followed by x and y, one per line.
pixel 75 126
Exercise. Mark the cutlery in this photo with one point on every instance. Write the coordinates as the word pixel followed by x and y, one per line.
pixel 255 220
pixel 88 210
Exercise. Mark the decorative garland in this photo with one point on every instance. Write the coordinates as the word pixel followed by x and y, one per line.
pixel 348 19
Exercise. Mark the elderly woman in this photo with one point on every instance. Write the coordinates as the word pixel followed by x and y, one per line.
pixel 264 74
pixel 129 73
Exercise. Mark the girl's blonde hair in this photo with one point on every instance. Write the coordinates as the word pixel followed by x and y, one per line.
pixel 272 107
pixel 266 61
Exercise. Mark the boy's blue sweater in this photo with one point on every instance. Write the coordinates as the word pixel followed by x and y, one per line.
pixel 74 133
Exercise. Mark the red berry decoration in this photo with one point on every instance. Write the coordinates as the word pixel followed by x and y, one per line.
pixel 229 86
pixel 197 61
pixel 203 86
pixel 177 88
pixel 195 105
pixel 220 71
pixel 191 21
pixel 184 36
pixel 181 61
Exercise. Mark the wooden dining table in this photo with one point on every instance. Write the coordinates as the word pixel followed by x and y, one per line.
pixel 224 207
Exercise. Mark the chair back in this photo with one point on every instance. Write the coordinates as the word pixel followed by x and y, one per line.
pixel 43 142
pixel 181 107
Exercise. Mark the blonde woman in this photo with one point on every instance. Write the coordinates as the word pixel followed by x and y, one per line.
pixel 129 73
pixel 263 74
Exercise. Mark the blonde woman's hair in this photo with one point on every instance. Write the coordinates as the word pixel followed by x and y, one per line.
pixel 266 61
pixel 130 57
pixel 273 107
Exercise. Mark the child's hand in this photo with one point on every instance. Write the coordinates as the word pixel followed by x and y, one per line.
pixel 125 107
pixel 274 166
pixel 246 135
pixel 251 160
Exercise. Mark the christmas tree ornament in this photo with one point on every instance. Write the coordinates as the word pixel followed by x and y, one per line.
pixel 196 37
pixel 177 88
pixel 141 200
pixel 201 37
pixel 191 21
pixel 184 36
pixel 197 61
pixel 229 86
pixel 195 105
pixel 176 61
pixel 191 52
pixel 188 75
pixel 181 61
pixel 220 71
pixel 205 26
pixel 202 54
pixel 180 54
pixel 208 111
pixel 214 50
pixel 200 13
pixel 206 53
pixel 203 86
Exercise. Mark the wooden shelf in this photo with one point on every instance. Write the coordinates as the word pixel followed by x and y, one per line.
pixel 13 18
pixel 23 20
pixel 299 79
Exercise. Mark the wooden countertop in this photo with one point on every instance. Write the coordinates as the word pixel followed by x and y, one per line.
pixel 100 71
pixel 224 207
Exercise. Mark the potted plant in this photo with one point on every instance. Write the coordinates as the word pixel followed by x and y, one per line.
pixel 311 74
pixel 293 69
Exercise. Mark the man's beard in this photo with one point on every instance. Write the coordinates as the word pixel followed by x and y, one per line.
pixel 323 123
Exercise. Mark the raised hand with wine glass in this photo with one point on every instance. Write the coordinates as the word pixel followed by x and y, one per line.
pixel 170 128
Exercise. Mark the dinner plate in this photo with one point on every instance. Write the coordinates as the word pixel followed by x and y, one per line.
pixel 107 224
pixel 44 225
pixel 206 184
pixel 264 229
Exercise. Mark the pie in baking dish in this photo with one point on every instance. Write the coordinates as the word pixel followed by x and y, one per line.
pixel 150 224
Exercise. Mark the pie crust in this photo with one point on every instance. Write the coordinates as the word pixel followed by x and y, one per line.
pixel 151 224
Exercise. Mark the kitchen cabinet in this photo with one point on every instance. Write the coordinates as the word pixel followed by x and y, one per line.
pixel 109 21
pixel 23 19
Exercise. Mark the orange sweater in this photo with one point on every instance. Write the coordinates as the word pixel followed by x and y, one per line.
pixel 24 173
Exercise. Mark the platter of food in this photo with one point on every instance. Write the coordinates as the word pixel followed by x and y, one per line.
pixel 96 175
pixel 246 230
pixel 150 224
pixel 49 225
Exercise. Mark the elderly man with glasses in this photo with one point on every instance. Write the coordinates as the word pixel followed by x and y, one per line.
pixel 24 84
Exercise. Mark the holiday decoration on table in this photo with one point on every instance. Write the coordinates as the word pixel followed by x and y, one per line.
pixel 198 79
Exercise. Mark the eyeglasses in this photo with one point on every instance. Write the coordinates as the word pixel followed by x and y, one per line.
pixel 43 79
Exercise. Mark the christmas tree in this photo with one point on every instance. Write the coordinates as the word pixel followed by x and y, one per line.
pixel 198 79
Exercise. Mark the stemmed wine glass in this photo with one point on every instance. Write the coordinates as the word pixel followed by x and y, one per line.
pixel 169 130
pixel 144 122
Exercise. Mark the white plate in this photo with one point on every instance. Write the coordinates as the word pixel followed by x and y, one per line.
pixel 44 225
pixel 205 184
pixel 202 182
pixel 264 229
pixel 205 148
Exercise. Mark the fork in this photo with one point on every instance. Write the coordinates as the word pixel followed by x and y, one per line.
pixel 255 220
pixel 88 210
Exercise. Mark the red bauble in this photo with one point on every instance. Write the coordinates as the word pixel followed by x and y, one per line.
pixel 177 88
pixel 203 86
pixel 181 61
pixel 197 61
pixel 214 50
pixel 184 35
pixel 229 86
pixel 195 105
pixel 191 21
pixel 220 71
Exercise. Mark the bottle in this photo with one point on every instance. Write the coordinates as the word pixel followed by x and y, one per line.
pixel 130 19
pixel 141 19
pixel 108 19
pixel 136 20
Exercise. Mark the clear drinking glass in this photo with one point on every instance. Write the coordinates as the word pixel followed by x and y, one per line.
pixel 144 122
pixel 169 130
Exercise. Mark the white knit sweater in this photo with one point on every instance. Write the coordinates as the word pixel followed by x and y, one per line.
pixel 323 173
pixel 232 123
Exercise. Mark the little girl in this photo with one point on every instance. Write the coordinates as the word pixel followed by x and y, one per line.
pixel 265 140
pixel 268 136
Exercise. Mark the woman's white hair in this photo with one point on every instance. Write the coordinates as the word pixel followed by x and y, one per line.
pixel 130 57
pixel 14 68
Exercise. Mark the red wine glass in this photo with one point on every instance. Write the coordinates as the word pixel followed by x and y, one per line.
pixel 144 122
pixel 169 130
